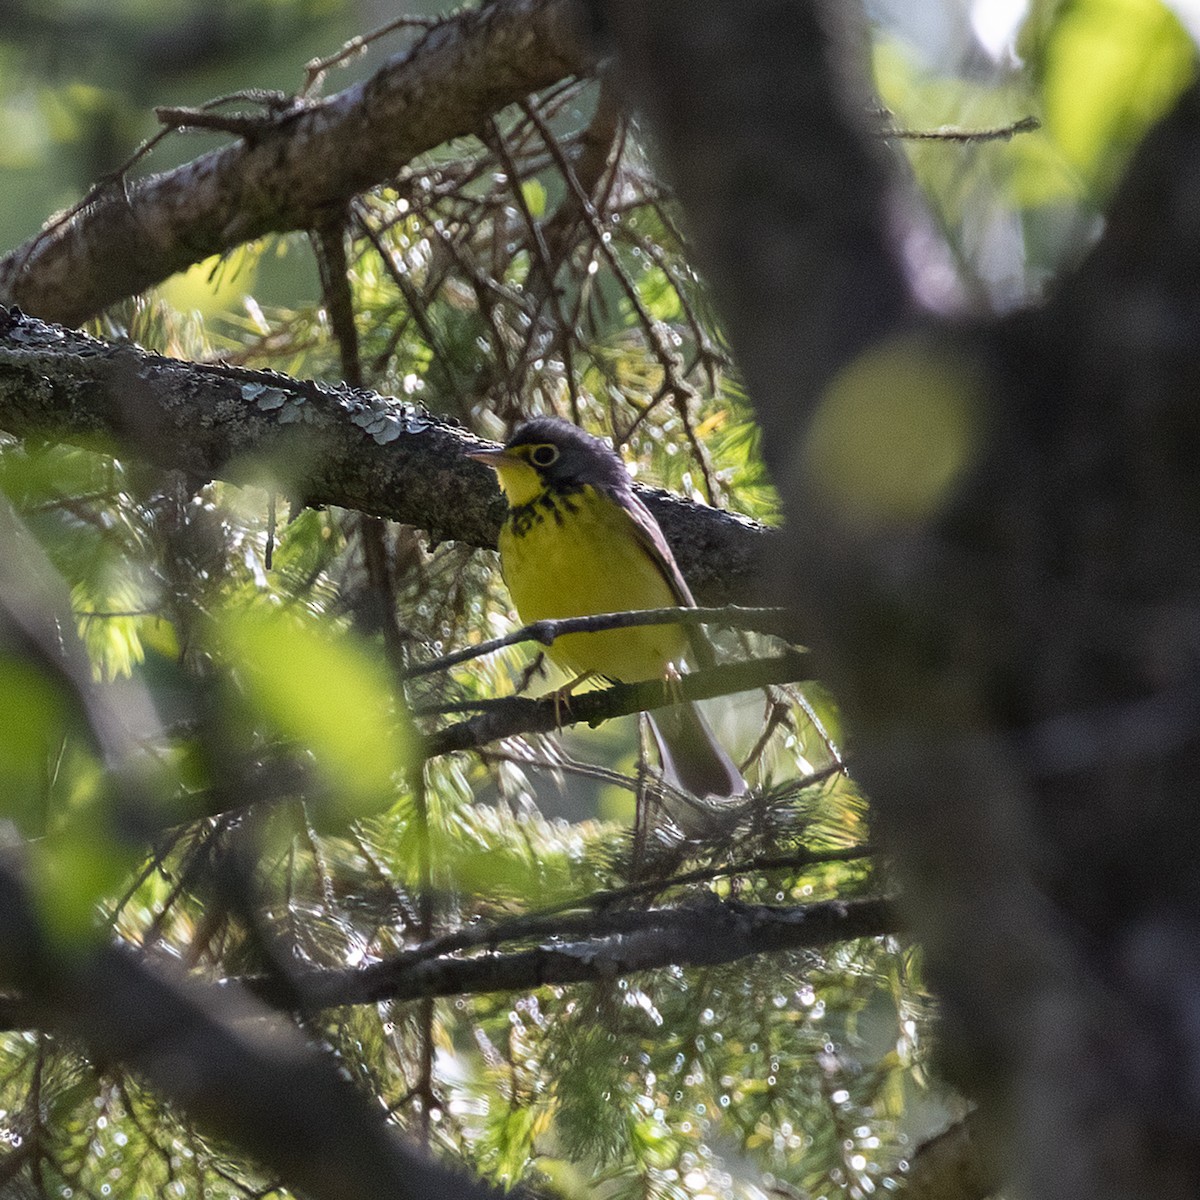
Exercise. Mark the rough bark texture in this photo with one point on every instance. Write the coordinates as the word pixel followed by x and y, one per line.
pixel 301 163
pixel 1019 663
pixel 698 935
pixel 951 1166
pixel 322 445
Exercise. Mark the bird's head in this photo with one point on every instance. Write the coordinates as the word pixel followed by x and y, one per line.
pixel 549 453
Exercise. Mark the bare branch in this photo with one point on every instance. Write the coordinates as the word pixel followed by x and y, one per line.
pixel 622 943
pixel 299 163
pixel 516 715
pixel 731 616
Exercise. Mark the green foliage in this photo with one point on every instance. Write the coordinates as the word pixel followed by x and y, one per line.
pixel 32 716
pixel 1106 70
pixel 325 693
pixel 110 1137
pixel 1014 210
pixel 281 741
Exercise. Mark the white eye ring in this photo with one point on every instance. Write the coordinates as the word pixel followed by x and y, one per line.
pixel 543 456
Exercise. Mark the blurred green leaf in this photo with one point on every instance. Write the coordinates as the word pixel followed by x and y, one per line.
pixel 73 871
pixel 535 197
pixel 1107 70
pixel 893 433
pixel 326 692
pixel 32 714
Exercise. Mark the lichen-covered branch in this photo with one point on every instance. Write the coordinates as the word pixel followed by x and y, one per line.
pixel 322 445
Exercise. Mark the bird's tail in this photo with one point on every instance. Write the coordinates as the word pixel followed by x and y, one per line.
pixel 692 759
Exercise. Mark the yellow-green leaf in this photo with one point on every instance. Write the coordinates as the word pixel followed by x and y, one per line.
pixel 327 692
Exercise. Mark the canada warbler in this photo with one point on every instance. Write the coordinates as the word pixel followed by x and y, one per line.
pixel 578 542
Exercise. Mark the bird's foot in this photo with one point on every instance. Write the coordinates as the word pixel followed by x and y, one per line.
pixel 562 696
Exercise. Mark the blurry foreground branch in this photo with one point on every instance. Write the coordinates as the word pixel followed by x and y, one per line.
pixel 239 1071
pixel 1053 589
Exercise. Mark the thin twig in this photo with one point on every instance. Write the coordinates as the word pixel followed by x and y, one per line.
pixel 956 133
pixel 565 765
pixel 731 616
pixel 416 305
pixel 329 245
pixel 316 69
pixel 667 358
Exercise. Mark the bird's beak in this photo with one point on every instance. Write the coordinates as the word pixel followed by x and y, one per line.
pixel 493 458
pixel 518 480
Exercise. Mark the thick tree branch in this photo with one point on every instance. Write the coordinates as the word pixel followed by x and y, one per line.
pixel 323 445
pixel 623 943
pixel 300 163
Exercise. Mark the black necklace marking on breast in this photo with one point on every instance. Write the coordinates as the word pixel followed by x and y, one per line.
pixel 555 502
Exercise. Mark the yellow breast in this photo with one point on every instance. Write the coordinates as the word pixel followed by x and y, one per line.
pixel 576 555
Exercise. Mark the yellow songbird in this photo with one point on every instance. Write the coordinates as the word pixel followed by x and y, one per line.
pixel 578 542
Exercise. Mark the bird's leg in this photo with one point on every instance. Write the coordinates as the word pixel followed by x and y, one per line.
pixel 673 681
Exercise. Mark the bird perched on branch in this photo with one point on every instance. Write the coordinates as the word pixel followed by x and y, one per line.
pixel 577 542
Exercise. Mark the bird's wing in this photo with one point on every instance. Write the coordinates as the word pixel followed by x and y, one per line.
pixel 650 535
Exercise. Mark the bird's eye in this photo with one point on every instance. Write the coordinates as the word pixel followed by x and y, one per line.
pixel 543 456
